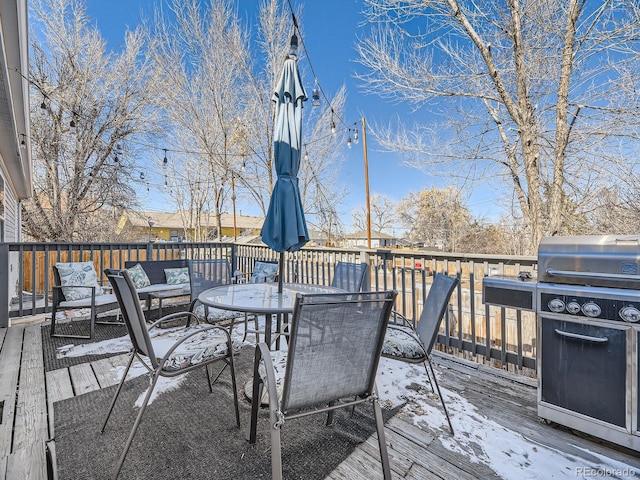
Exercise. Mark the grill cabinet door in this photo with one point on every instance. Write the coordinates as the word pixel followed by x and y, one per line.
pixel 584 369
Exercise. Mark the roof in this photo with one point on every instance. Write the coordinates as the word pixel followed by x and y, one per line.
pixel 175 220
pixel 363 235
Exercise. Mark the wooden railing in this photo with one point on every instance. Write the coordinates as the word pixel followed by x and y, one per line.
pixel 499 336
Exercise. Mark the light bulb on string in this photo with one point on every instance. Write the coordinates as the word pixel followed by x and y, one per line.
pixel 349 139
pixel 23 144
pixel 141 175
pixel 333 127
pixel 164 160
pixel 315 95
pixel 306 155
pixel 43 105
pixel 356 138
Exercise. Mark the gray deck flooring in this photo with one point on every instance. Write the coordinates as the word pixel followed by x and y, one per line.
pixel 418 450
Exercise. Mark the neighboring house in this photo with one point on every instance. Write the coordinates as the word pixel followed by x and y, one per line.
pixel 16 183
pixel 360 239
pixel 170 227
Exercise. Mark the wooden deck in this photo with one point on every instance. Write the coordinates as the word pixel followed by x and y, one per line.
pixel 27 395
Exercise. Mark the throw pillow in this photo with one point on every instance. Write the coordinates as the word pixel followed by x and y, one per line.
pixel 138 276
pixel 78 274
pixel 176 276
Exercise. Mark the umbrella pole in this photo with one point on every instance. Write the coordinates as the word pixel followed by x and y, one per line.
pixel 281 272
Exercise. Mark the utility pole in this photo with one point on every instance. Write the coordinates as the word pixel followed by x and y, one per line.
pixel 366 180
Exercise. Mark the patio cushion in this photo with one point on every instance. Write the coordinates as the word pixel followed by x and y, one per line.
pixel 177 276
pixel 216 314
pixel 264 272
pixel 197 349
pixel 78 274
pixel 163 287
pixel 400 341
pixel 279 360
pixel 139 276
pixel 86 301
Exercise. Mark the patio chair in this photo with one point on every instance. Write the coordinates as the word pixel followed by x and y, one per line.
pixel 350 276
pixel 76 287
pixel 335 342
pixel 205 274
pixel 198 347
pixel 405 343
pixel 264 271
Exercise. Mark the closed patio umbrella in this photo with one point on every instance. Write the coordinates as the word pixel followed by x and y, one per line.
pixel 285 228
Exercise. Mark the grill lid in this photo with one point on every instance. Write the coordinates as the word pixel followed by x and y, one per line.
pixel 593 260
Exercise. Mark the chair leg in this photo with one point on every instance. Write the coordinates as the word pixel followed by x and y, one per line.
pixel 382 444
pixel 54 311
pixel 435 382
pixel 234 385
pixel 276 447
pixel 134 429
pixel 330 414
pixel 115 397
pixel 255 406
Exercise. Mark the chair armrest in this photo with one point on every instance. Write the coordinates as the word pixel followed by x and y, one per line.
pixel 404 321
pixel 171 316
pixel 60 291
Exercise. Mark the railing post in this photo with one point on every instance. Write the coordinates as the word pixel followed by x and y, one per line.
pixel 384 254
pixel 364 258
pixel 4 285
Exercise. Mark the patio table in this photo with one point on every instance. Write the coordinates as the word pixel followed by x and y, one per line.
pixel 260 299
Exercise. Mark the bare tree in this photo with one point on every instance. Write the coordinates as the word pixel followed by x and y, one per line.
pixel 544 93
pixel 199 52
pixel 435 217
pixel 86 104
pixel 382 214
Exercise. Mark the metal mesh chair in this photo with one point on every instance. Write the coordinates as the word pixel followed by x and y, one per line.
pixel 198 347
pixel 334 348
pixel 205 274
pixel 405 343
pixel 350 276
pixel 263 272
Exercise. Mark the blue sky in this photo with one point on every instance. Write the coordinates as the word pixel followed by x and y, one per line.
pixel 331 28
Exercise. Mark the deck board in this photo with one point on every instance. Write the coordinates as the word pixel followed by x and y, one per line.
pixel 31 410
pixel 9 371
pixel 83 379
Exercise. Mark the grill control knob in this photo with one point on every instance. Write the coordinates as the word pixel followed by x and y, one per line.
pixel 573 307
pixel 591 309
pixel 630 314
pixel 556 305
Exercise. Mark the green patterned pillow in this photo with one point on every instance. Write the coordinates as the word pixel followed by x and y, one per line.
pixel 138 276
pixel 176 276
pixel 77 274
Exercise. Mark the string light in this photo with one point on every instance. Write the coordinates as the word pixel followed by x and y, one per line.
pixel 349 139
pixel 164 160
pixel 356 138
pixel 23 143
pixel 142 176
pixel 315 95
pixel 306 155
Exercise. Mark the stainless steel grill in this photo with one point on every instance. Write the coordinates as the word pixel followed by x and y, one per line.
pixel 587 299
